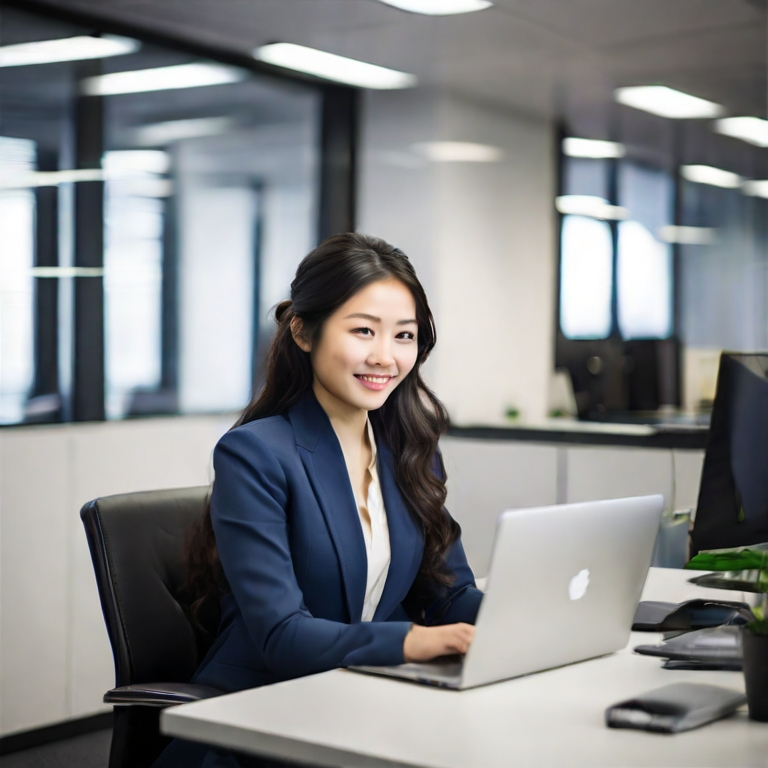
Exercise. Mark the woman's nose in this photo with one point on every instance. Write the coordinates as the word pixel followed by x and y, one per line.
pixel 381 354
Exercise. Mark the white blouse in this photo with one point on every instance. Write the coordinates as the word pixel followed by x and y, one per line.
pixel 373 519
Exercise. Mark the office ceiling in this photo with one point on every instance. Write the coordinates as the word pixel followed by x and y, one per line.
pixel 542 57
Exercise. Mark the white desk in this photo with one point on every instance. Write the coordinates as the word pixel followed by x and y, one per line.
pixel 553 718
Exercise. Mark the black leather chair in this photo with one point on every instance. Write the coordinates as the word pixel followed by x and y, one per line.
pixel 136 542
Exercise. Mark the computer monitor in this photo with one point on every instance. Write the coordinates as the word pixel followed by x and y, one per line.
pixel 733 496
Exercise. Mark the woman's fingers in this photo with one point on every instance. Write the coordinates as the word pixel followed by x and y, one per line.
pixel 425 643
pixel 459 637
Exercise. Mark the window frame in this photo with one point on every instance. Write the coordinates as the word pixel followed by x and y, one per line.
pixel 599 368
pixel 337 152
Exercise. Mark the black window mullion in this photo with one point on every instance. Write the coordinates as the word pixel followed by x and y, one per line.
pixel 338 158
pixel 88 371
pixel 46 302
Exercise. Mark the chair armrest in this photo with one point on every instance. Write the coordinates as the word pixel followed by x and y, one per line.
pixel 158 694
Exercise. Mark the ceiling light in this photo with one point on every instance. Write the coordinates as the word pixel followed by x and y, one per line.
pixel 706 174
pixel 751 129
pixel 66 49
pixel 667 102
pixel 162 79
pixel 592 148
pixel 590 205
pixel 67 271
pixel 50 178
pixel 688 235
pixel 757 188
pixel 159 134
pixel 136 161
pixel 332 67
pixel 458 152
pixel 439 7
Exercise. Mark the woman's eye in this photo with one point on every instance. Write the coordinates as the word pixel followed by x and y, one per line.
pixel 407 335
pixel 363 331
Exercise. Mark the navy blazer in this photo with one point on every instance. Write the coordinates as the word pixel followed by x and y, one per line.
pixel 291 545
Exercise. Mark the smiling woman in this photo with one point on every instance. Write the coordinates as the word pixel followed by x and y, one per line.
pixel 326 543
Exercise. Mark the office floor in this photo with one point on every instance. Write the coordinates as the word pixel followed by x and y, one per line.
pixel 88 751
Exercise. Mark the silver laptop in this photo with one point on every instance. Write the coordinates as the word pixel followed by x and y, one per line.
pixel 563 586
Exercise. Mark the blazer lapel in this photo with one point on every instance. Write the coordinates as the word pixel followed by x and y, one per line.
pixel 327 472
pixel 405 539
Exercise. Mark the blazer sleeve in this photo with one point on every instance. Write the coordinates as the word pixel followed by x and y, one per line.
pixel 248 512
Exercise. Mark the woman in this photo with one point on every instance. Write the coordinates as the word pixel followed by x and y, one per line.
pixel 326 539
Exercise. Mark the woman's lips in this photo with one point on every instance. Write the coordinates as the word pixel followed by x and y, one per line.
pixel 376 383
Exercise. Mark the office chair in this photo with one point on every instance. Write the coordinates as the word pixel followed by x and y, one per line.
pixel 136 542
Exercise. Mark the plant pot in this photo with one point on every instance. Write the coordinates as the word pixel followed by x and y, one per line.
pixel 755 650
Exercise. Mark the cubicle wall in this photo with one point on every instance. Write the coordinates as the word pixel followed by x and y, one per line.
pixel 55 661
pixel 485 477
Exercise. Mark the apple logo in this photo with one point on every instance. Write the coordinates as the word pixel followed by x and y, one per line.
pixel 577 586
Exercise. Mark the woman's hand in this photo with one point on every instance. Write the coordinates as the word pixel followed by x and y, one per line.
pixel 425 643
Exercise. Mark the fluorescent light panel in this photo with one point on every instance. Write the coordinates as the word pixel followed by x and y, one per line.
pixel 756 188
pixel 66 49
pixel 688 235
pixel 750 129
pixel 706 174
pixel 590 205
pixel 159 134
pixel 32 179
pixel 194 75
pixel 439 7
pixel 49 178
pixel 667 102
pixel 592 148
pixel 332 67
pixel 458 152
pixel 136 161
pixel 67 271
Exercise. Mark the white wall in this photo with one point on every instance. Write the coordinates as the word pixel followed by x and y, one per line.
pixel 481 236
pixel 486 477
pixel 55 660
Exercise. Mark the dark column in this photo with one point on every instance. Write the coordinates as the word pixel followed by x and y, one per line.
pixel 169 371
pixel 338 170
pixel 88 374
pixel 46 289
pixel 259 350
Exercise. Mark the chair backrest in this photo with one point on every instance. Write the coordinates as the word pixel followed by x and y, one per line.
pixel 137 547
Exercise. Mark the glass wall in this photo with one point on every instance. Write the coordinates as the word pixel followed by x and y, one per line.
pixel 153 207
pixel 616 271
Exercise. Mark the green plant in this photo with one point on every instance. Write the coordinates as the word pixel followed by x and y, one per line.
pixel 749 564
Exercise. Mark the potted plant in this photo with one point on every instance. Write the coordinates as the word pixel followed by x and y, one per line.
pixel 746 569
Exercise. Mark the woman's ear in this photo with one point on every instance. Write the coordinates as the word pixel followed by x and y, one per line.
pixel 297 331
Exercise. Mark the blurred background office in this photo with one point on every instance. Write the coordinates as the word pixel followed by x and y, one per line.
pixel 582 186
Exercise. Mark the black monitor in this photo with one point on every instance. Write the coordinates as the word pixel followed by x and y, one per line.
pixel 733 495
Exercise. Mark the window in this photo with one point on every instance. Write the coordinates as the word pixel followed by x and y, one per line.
pixel 135 194
pixel 17 223
pixel 616 273
pixel 644 261
pixel 643 283
pixel 586 278
pixel 147 234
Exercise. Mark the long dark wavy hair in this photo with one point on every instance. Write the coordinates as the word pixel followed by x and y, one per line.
pixel 410 422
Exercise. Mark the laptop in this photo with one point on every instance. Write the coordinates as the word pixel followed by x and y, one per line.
pixel 563 586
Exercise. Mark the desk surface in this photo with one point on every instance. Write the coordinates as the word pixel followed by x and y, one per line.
pixel 547 719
